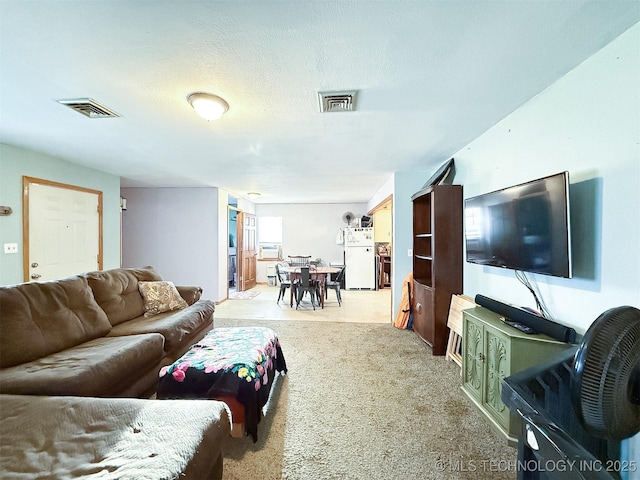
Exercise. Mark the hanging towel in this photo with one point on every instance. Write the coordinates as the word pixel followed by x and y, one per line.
pixel 403 320
pixel 340 237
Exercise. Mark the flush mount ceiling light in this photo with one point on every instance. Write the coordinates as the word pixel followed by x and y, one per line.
pixel 253 195
pixel 208 106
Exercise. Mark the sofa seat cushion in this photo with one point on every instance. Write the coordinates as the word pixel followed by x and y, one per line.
pixel 94 368
pixel 38 319
pixel 73 437
pixel 174 326
pixel 116 291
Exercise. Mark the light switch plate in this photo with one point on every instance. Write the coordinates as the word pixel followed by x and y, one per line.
pixel 10 248
pixel 410 252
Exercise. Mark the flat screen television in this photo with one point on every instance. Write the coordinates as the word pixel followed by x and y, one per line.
pixel 524 227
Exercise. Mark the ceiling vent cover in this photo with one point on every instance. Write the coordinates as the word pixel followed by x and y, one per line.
pixel 89 108
pixel 344 101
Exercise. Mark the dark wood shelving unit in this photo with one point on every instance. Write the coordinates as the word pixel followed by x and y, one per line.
pixel 385 271
pixel 437 261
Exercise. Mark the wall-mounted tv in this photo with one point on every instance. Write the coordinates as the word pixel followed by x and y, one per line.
pixel 524 227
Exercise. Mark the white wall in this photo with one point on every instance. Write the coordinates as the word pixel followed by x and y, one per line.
pixel 405 185
pixel 311 229
pixel 587 123
pixel 177 231
pixel 16 162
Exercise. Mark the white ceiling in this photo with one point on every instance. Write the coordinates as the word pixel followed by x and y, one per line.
pixel 432 76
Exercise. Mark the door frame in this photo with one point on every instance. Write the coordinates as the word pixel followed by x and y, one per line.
pixel 387 203
pixel 26 183
pixel 237 210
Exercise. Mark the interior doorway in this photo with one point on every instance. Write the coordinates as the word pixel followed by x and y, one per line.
pixel 383 237
pixel 232 278
pixel 246 250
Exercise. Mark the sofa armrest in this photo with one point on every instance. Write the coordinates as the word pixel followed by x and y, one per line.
pixel 190 293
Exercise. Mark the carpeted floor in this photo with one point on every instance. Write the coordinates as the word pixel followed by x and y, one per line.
pixel 365 401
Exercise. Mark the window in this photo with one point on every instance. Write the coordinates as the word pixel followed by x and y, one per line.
pixel 270 230
pixel 270 237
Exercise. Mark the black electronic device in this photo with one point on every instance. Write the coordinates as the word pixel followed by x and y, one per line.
pixel 519 326
pixel 523 227
pixel 537 323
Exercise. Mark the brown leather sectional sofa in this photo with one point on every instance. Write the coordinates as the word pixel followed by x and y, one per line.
pixel 87 336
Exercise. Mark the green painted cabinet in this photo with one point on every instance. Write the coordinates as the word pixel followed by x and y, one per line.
pixel 492 351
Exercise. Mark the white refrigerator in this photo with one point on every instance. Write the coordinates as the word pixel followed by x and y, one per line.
pixel 359 258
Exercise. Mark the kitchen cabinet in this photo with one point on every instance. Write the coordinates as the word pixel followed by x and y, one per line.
pixel 491 351
pixel 437 261
pixel 382 225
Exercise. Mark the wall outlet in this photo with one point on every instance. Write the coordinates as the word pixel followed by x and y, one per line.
pixel 410 252
pixel 10 248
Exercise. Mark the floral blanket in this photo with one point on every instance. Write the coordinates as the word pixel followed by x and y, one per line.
pixel 233 361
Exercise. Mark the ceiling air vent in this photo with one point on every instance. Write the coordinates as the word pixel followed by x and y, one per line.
pixel 344 101
pixel 89 108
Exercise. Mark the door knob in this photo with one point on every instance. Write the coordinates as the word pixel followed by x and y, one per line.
pixel 35 276
pixel 34 265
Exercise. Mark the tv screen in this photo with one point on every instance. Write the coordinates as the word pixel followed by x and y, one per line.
pixel 523 227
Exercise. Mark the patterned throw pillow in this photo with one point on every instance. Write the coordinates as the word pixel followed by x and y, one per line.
pixel 160 297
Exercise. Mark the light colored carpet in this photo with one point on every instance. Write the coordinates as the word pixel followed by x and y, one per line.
pixel 365 401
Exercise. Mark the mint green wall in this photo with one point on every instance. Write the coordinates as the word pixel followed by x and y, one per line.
pixel 16 162
pixel 586 123
pixel 405 184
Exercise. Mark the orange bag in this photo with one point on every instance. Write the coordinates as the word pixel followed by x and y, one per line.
pixel 404 312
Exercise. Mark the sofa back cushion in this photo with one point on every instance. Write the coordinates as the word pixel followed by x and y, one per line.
pixel 38 319
pixel 116 291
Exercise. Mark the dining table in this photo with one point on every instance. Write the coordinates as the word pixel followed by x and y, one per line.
pixel 318 274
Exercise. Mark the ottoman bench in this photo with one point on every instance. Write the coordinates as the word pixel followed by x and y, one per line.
pixel 236 365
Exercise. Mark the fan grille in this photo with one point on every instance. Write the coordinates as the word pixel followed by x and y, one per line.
pixel 610 358
pixel 347 217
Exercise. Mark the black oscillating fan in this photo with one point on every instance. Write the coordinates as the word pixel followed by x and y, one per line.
pixel 606 379
pixel 347 217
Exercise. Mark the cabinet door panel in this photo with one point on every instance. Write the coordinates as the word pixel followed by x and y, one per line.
pixel 473 367
pixel 497 364
pixel 423 312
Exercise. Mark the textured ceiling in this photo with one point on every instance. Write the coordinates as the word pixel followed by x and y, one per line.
pixel 431 76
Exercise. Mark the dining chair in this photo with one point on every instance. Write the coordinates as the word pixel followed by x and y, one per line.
pixel 318 262
pixel 306 285
pixel 335 285
pixel 299 260
pixel 285 282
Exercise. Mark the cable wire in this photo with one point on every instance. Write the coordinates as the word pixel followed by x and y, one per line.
pixel 522 277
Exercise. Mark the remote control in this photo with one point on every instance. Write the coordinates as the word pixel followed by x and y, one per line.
pixel 519 326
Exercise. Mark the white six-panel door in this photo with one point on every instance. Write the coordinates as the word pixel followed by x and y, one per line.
pixel 63 230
